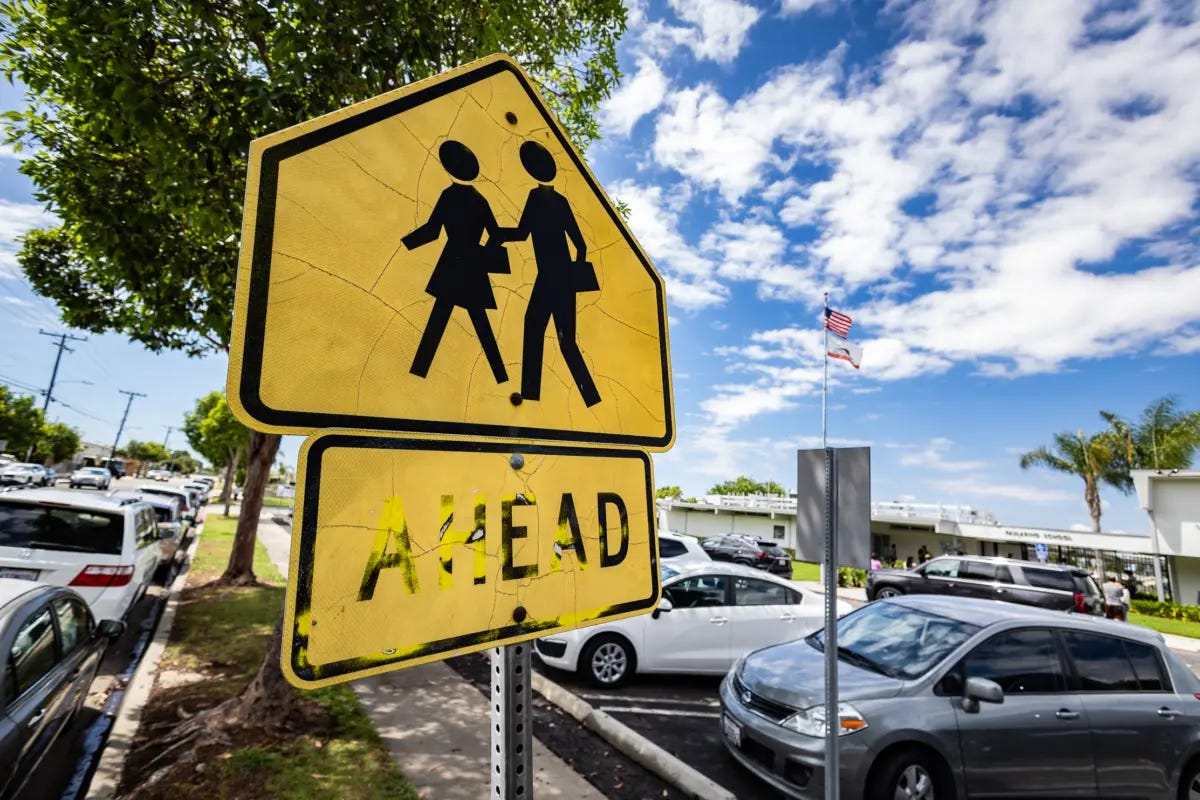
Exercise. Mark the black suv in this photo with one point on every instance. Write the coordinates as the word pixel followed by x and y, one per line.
pixel 1055 586
pixel 742 549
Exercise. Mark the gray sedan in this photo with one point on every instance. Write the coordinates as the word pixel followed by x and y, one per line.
pixel 954 697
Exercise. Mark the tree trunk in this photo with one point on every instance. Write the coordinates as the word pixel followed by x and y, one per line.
pixel 1091 494
pixel 259 458
pixel 269 695
pixel 235 455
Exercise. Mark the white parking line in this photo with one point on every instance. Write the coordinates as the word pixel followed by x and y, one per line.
pixel 666 700
pixel 662 712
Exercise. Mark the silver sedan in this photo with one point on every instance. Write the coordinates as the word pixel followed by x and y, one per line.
pixel 945 697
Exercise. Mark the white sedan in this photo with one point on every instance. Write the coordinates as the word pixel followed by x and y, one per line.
pixel 710 615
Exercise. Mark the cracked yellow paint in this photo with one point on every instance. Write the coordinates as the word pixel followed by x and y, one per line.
pixel 409 550
pixel 331 305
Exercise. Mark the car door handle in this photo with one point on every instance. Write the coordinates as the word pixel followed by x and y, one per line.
pixel 787 618
pixel 1169 713
pixel 1064 713
pixel 36 718
pixel 718 620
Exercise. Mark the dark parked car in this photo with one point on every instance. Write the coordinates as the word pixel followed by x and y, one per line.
pixel 51 649
pixel 948 697
pixel 750 551
pixel 1055 586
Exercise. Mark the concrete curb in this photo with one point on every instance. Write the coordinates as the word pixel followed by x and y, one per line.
pixel 120 741
pixel 632 743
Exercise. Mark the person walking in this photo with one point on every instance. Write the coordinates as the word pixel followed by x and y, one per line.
pixel 548 220
pixel 461 276
pixel 875 562
pixel 1114 599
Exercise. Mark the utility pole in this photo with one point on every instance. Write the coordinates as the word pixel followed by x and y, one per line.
pixel 121 427
pixel 168 436
pixel 61 344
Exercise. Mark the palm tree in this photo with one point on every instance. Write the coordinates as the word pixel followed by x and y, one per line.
pixel 1164 438
pixel 1095 458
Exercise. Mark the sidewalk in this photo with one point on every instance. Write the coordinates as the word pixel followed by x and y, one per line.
pixel 436 724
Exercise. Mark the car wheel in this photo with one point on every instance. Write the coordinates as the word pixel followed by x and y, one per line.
pixel 607 661
pixel 909 774
pixel 1189 783
pixel 886 592
pixel 744 562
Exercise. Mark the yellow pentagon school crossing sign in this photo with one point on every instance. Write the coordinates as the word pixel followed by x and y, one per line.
pixel 439 259
pixel 412 550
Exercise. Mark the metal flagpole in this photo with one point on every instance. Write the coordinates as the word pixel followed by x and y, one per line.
pixel 832 717
pixel 825 357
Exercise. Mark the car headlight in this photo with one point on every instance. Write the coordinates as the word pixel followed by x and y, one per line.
pixel 811 721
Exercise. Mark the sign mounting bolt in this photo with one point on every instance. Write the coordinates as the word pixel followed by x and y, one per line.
pixel 516 461
pixel 510 118
pixel 519 614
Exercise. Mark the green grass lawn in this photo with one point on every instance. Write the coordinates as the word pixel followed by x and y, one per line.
pixel 1178 627
pixel 222 631
pixel 803 571
pixel 277 502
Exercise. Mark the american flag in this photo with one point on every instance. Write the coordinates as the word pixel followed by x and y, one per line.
pixel 837 322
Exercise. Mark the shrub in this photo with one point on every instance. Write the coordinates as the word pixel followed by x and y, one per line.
pixel 1153 608
pixel 849 576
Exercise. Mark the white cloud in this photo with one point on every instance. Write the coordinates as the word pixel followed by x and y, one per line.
pixel 716 29
pixel 636 97
pixel 1002 154
pixel 15 220
pixel 796 7
pixel 933 456
pixel 982 486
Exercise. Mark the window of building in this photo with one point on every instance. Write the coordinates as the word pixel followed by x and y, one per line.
pixel 780 531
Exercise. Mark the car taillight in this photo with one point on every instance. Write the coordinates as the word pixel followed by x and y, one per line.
pixel 763 556
pixel 1080 602
pixel 103 576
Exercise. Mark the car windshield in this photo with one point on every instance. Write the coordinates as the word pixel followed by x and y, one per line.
pixel 895 640
pixel 95 471
pixel 74 530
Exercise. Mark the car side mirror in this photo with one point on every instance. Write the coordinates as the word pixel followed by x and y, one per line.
pixel 111 629
pixel 664 605
pixel 980 690
pixel 189 517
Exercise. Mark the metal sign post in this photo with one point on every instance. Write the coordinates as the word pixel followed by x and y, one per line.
pixel 832 717
pixel 512 744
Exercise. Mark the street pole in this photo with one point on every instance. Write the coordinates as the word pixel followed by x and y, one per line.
pixel 168 436
pixel 512 743
pixel 833 723
pixel 121 427
pixel 61 344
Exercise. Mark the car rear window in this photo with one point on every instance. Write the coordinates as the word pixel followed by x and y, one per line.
pixel 162 514
pixel 73 530
pixel 1049 579
pixel 668 548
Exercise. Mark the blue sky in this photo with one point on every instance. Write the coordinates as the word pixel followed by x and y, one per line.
pixel 1003 196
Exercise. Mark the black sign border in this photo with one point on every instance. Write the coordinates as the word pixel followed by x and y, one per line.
pixel 254 338
pixel 306 671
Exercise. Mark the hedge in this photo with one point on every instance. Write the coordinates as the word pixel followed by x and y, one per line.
pixel 1153 608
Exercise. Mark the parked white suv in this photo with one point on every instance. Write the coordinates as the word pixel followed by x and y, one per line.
pixel 679 550
pixel 104 548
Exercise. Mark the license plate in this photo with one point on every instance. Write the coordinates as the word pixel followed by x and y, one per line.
pixel 782 560
pixel 22 574
pixel 732 730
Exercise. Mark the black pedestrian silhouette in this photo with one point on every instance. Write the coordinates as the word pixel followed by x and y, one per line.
pixel 548 219
pixel 460 277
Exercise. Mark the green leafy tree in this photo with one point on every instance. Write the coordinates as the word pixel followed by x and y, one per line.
pixel 146 454
pixel 213 431
pixel 1164 437
pixel 746 485
pixel 56 442
pixel 669 493
pixel 20 421
pixel 1093 458
pixel 140 116
pixel 185 462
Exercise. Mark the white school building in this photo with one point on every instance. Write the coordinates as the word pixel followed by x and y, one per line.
pixel 1166 562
